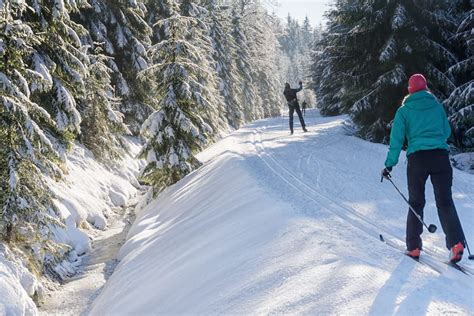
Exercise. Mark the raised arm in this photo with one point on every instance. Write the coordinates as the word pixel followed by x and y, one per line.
pixel 300 88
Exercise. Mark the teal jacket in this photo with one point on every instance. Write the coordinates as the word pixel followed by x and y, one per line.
pixel 421 120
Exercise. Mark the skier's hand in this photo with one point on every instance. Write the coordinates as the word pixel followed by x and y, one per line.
pixel 385 173
pixel 301 83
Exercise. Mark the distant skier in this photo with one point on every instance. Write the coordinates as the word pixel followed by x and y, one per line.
pixel 293 105
pixel 304 104
pixel 422 121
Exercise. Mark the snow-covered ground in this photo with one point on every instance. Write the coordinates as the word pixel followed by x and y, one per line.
pixel 90 197
pixel 464 161
pixel 273 223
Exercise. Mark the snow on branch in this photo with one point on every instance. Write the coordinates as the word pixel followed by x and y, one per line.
pixel 393 77
pixel 58 9
pixel 461 67
pixel 439 51
pixel 389 51
pixel 441 78
pixel 461 96
pixel 67 116
pixel 399 18
pixel 40 70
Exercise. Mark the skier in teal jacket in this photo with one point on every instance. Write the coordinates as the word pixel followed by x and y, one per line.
pixel 422 122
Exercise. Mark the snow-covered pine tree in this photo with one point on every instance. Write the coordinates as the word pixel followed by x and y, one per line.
pixel 265 60
pixel 157 10
pixel 102 125
pixel 120 29
pixel 460 104
pixel 307 34
pixel 224 48
pixel 68 62
pixel 252 28
pixel 61 59
pixel 327 70
pixel 376 46
pixel 177 129
pixel 214 113
pixel 27 213
pixel 249 97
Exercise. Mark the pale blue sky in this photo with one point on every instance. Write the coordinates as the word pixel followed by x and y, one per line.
pixel 298 9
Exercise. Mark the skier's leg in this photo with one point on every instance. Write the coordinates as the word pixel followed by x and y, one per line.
pixel 292 110
pixel 416 177
pixel 300 116
pixel 442 179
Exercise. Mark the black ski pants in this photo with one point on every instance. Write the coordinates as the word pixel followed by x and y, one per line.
pixel 295 107
pixel 435 164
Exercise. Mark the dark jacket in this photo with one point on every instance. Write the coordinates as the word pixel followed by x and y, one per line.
pixel 290 94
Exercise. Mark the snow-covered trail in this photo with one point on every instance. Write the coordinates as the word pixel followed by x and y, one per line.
pixel 274 223
pixel 339 172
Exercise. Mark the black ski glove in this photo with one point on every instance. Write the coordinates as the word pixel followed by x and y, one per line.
pixel 386 173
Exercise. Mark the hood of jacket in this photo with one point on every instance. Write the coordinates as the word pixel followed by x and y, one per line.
pixel 420 100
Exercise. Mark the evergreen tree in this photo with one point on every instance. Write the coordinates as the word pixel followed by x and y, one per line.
pixel 72 66
pixel 374 48
pixel 61 59
pixel 214 113
pixel 176 130
pixel 224 48
pixel 102 125
pixel 248 99
pixel 157 10
pixel 265 62
pixel 27 213
pixel 329 67
pixel 119 27
pixel 460 104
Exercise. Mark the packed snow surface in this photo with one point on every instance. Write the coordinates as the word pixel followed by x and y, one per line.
pixel 279 223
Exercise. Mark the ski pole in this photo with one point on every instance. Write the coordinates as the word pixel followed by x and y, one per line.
pixel 432 228
pixel 470 257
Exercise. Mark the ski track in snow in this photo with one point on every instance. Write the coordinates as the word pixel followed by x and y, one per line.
pixel 280 163
pixel 343 211
pixel 288 224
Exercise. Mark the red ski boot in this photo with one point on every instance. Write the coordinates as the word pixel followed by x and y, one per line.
pixel 455 254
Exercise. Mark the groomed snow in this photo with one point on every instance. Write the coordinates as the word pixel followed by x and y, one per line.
pixel 273 223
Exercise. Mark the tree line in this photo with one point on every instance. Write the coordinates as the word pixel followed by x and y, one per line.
pixel 364 58
pixel 176 73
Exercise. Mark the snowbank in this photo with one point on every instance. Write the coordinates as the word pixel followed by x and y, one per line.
pixel 90 191
pixel 17 286
pixel 280 224
pixel 85 198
